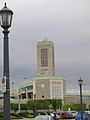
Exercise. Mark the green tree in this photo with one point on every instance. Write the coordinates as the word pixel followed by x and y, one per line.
pixel 74 106
pixel 45 104
pixel 30 104
pixel 14 106
pixel 56 103
pixel 89 107
pixel 23 106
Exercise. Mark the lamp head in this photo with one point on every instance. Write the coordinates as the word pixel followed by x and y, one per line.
pixel 80 81
pixel 6 17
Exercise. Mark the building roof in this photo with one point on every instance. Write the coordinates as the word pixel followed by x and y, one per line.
pixel 84 95
pixel 45 41
pixel 26 83
pixel 74 95
pixel 48 77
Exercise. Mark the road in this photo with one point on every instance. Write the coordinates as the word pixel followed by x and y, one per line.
pixel 33 119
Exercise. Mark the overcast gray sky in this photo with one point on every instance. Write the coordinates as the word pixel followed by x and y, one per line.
pixel 65 22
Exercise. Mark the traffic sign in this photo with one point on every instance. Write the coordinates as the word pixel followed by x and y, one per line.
pixel 3 84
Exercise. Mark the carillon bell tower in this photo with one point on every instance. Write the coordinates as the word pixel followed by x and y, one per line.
pixel 45 58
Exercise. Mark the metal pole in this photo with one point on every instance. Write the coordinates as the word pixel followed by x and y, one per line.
pixel 19 102
pixel 6 73
pixel 13 89
pixel 34 95
pixel 81 105
pixel 19 108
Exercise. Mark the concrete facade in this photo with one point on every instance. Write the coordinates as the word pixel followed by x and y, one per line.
pixel 44 87
pixel 45 58
pixel 76 99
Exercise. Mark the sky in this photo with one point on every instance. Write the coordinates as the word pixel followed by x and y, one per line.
pixel 65 22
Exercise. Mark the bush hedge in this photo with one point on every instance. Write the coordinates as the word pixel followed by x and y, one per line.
pixel 73 106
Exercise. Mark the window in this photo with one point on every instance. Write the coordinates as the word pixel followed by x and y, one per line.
pixel 56 89
pixel 44 57
pixel 30 87
pixel 42 96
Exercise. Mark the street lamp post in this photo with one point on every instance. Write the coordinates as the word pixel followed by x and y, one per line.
pixel 81 105
pixel 6 19
pixel 13 90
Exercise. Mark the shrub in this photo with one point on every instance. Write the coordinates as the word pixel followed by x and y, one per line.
pixel 44 104
pixel 74 106
pixel 15 114
pixel 30 116
pixel 23 106
pixel 24 114
pixel 15 117
pixel 89 107
pixel 14 106
pixel 1 114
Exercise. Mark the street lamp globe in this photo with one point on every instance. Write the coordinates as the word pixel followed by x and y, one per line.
pixel 6 17
pixel 80 81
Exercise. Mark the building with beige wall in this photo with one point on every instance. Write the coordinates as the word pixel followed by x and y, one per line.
pixel 68 99
pixel 45 58
pixel 46 85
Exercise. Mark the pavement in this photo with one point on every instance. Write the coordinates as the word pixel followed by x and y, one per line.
pixel 33 119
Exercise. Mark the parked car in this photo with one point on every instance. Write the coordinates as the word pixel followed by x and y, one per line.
pixel 44 117
pixel 55 116
pixel 85 116
pixel 67 115
pixel 74 113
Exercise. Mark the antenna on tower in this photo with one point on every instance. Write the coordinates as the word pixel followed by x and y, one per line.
pixel 45 39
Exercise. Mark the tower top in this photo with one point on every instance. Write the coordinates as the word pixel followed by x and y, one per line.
pixel 45 39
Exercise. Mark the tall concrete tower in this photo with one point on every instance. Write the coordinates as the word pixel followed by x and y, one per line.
pixel 45 58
